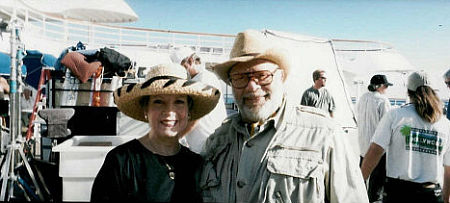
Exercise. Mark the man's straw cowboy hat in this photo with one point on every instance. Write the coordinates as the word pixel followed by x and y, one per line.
pixel 250 45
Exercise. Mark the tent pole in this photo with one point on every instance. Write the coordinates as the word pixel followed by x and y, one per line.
pixel 13 105
pixel 8 175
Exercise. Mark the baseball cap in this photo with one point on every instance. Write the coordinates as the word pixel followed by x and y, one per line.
pixel 417 79
pixel 181 53
pixel 379 80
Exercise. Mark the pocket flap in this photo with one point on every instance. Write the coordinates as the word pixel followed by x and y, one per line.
pixel 304 162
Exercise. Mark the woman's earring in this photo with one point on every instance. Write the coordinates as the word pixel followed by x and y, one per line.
pixel 146 117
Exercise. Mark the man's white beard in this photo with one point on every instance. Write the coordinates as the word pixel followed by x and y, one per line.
pixel 262 113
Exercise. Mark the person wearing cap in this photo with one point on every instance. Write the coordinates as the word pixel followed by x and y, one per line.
pixel 155 167
pixel 274 150
pixel 317 95
pixel 447 82
pixel 370 108
pixel 197 132
pixel 416 139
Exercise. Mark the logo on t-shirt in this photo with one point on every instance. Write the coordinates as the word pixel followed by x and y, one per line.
pixel 421 140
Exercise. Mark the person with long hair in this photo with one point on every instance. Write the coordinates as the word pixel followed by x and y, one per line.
pixel 416 138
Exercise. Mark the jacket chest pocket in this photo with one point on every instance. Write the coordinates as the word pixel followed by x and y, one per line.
pixel 296 174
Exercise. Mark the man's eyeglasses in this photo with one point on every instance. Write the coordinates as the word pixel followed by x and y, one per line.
pixel 240 80
pixel 448 83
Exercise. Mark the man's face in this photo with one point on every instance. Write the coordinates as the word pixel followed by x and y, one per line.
pixel 257 100
pixel 382 89
pixel 191 64
pixel 321 81
pixel 187 62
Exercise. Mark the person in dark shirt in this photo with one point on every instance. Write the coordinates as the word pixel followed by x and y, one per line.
pixel 317 95
pixel 447 82
pixel 155 167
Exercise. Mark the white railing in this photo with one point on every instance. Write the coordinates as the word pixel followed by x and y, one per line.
pixel 70 32
pixel 346 45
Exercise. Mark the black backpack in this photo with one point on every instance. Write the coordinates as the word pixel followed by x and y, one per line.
pixel 114 63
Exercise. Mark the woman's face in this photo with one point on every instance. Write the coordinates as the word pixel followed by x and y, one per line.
pixel 167 114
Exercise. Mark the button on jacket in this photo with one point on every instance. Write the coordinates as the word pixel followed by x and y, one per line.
pixel 299 155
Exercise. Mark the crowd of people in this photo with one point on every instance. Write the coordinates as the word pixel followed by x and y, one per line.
pixel 272 150
pixel 416 139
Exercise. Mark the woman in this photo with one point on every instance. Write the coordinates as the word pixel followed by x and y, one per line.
pixel 416 138
pixel 155 167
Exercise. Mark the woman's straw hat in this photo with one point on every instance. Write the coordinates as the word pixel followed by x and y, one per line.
pixel 166 79
pixel 250 45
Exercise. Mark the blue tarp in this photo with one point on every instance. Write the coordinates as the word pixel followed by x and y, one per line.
pixel 32 65
pixel 34 61
pixel 5 65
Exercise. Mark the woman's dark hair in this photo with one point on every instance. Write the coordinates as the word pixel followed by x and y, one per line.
pixel 373 87
pixel 190 102
pixel 143 102
pixel 427 103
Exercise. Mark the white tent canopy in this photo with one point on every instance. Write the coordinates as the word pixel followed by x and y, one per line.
pixel 360 62
pixel 309 54
pixel 99 11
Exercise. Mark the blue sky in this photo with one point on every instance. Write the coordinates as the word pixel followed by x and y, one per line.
pixel 420 30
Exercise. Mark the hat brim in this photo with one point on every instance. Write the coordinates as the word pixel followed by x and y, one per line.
pixel 205 98
pixel 278 56
pixel 388 84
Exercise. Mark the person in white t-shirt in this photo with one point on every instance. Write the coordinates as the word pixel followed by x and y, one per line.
pixel 198 132
pixel 416 138
pixel 371 107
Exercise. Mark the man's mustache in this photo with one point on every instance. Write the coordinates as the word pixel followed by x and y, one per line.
pixel 250 95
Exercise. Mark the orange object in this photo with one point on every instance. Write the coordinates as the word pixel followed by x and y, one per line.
pixel 45 76
pixel 97 87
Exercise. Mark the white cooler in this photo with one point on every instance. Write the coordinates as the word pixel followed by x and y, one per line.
pixel 80 159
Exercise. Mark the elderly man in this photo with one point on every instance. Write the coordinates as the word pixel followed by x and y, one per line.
pixel 273 150
pixel 199 131
pixel 447 82
pixel 317 95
